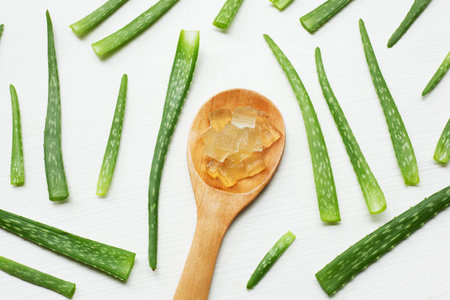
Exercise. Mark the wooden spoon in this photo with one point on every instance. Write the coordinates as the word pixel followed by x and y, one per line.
pixel 218 206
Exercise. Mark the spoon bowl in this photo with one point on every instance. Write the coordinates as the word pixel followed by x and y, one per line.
pixel 217 205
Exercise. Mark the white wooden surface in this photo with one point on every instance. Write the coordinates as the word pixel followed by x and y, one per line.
pixel 416 269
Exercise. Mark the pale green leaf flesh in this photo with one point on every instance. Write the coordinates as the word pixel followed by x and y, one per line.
pixel 400 140
pixel 179 82
pixel 359 256
pixel 323 175
pixel 372 192
pixel 36 277
pixel 114 261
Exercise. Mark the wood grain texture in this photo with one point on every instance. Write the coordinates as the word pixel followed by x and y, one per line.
pixel 218 206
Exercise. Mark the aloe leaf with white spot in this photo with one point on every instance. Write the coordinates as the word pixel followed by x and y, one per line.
pixel 92 20
pixel 416 10
pixel 323 175
pixel 400 140
pixel 270 258
pixel 112 148
pixel 443 68
pixel 37 277
pixel 114 261
pixel 442 152
pixel 17 167
pixel 359 256
pixel 112 42
pixel 179 82
pixel 226 14
pixel 54 166
pixel 373 194
pixel 317 17
pixel 281 4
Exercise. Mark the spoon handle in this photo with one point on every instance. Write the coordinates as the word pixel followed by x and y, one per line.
pixel 199 268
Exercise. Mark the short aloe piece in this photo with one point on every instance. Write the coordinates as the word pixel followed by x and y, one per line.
pixel 226 14
pixel 416 10
pixel 54 166
pixel 443 68
pixel 92 20
pixel 270 258
pixel 114 261
pixel 112 42
pixel 17 167
pixel 179 82
pixel 400 140
pixel 323 175
pixel 375 200
pixel 36 277
pixel 316 18
pixel 442 152
pixel 112 148
pixel 281 4
pixel 359 256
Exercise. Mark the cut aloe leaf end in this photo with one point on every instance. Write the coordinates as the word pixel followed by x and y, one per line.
pixel 323 175
pixel 17 166
pixel 317 17
pixel 443 68
pixel 88 23
pixel 270 258
pixel 281 4
pixel 227 13
pixel 416 10
pixel 112 148
pixel 36 277
pixel 442 152
pixel 375 200
pixel 180 79
pixel 403 148
pixel 114 261
pixel 359 256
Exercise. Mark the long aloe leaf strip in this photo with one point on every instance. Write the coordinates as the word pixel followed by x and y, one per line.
pixel 372 192
pixel 443 68
pixel 442 152
pixel 416 10
pixel 54 166
pixel 317 17
pixel 281 4
pixel 114 261
pixel 36 277
pixel 112 148
pixel 359 256
pixel 400 140
pixel 179 82
pixel 323 175
pixel 270 258
pixel 92 20
pixel 112 42
pixel 226 14
pixel 17 167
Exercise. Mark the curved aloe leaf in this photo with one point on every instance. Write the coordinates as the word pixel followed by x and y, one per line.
pixel 417 8
pixel 443 68
pixel 373 194
pixel 226 14
pixel 179 82
pixel 112 42
pixel 359 256
pixel 92 20
pixel 400 140
pixel 36 277
pixel 114 261
pixel 442 152
pixel 112 148
pixel 54 166
pixel 316 18
pixel 323 175
pixel 17 167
